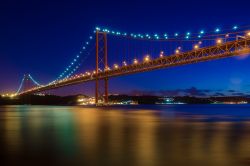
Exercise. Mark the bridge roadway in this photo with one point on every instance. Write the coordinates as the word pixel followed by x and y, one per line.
pixel 224 50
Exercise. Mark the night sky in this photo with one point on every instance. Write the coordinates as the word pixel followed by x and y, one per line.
pixel 42 37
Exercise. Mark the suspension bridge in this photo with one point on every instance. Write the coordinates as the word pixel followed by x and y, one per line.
pixel 158 51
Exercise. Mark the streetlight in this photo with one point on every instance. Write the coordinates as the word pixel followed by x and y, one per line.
pixel 124 63
pixel 196 46
pixel 161 54
pixel 248 34
pixel 146 58
pixel 116 66
pixel 177 51
pixel 135 61
pixel 219 41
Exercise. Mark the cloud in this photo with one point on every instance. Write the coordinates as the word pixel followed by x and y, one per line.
pixel 193 91
pixel 239 94
pixel 141 93
pixel 217 94
pixel 170 92
pixel 236 81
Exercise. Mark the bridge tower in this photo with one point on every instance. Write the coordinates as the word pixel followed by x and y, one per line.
pixel 27 84
pixel 101 85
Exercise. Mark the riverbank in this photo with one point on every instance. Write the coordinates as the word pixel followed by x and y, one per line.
pixel 120 100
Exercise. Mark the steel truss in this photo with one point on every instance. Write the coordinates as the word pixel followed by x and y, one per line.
pixel 227 49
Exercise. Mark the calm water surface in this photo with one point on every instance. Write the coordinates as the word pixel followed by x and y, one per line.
pixel 130 135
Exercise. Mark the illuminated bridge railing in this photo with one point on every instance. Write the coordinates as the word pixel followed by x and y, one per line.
pixel 227 49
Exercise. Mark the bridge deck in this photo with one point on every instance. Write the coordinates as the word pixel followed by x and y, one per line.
pixel 227 49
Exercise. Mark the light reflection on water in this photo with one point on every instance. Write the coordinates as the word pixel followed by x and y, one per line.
pixel 135 135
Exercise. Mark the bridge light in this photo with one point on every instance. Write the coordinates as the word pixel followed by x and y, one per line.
pixel 176 34
pixel 196 46
pixel 146 58
pixel 235 27
pixel 202 32
pixel 12 95
pixel 248 33
pixel 217 30
pixel 177 51
pixel 200 42
pixel 156 36
pixel 106 68
pixel 116 66
pixel 188 33
pixel 124 63
pixel 135 61
pixel 219 41
pixel 161 54
pixel 227 35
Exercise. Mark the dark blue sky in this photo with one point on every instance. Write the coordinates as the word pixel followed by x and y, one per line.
pixel 42 36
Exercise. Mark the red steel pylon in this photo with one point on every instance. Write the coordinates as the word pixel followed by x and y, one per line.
pixel 101 64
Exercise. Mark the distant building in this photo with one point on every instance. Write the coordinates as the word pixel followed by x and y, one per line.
pixel 85 100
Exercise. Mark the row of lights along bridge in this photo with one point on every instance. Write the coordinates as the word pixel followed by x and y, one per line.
pixel 147 58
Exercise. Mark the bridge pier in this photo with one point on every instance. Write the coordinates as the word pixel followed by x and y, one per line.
pixel 101 96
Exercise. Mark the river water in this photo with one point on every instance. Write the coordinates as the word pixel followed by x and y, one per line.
pixel 146 135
